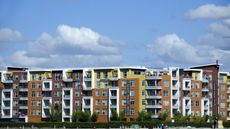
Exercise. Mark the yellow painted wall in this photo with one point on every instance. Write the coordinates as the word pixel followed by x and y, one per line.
pixel 194 73
pixel 43 74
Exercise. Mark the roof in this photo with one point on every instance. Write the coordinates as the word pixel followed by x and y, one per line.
pixel 205 65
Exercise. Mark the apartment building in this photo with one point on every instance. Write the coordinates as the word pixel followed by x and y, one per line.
pixel 29 95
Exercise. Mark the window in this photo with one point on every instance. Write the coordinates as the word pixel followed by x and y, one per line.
pixel 124 83
pixel 198 112
pixel 123 92
pixel 104 102
pixel 104 93
pixel 77 94
pixel 143 102
pixel 16 77
pixel 105 74
pixel 166 102
pixel 125 74
pixel 104 111
pixel 132 112
pixel 192 85
pixel 197 103
pixel 98 75
pixel 77 102
pixel 33 103
pixel 221 79
pixel 166 83
pixel 193 94
pixel 39 77
pixel 197 85
pixel 132 92
pixel 97 102
pixel 33 76
pixel 33 112
pixel 132 102
pixel 97 111
pixel 143 83
pixel 222 96
pixel 222 105
pixel 33 85
pixel 105 84
pixel 56 94
pixel 143 92
pixel 166 93
pixel 38 112
pixel 97 93
pixel 77 85
pixel 38 85
pixel 221 87
pixel 132 83
pixel 123 102
pixel 38 103
pixel 38 94
pixel 222 114
pixel 192 103
pixel 197 94
pixel 56 85
pixel 98 84
pixel 33 94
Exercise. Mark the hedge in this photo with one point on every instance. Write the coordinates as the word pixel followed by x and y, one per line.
pixel 147 124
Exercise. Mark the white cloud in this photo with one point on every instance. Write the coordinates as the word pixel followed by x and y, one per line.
pixel 9 35
pixel 211 11
pixel 71 47
pixel 217 35
pixel 72 40
pixel 171 49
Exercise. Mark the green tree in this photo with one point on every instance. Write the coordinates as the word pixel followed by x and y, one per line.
pixel 163 116
pixel 55 114
pixel 94 117
pixel 114 115
pixel 122 116
pixel 144 116
pixel 76 115
pixel 85 116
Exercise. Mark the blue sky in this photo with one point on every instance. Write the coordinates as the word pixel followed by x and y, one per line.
pixel 68 33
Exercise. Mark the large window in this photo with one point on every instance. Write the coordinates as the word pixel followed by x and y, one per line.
pixel 166 93
pixel 132 92
pixel 166 83
pixel 221 87
pixel 105 74
pixel 104 93
pixel 98 75
pixel 97 93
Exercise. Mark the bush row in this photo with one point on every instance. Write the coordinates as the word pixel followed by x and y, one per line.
pixel 105 125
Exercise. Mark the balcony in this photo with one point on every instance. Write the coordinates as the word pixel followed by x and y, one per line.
pixel 7 78
pixel 154 106
pixel 154 116
pixel 23 107
pixel 23 98
pixel 176 96
pixel 154 97
pixel 175 106
pixel 151 77
pixel 205 89
pixel 187 106
pixel 47 85
pixel 154 87
pixel 87 78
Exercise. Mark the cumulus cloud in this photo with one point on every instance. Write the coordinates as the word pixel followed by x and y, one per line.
pixel 72 40
pixel 71 47
pixel 9 35
pixel 171 49
pixel 210 11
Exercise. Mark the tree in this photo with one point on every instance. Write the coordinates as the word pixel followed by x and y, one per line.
pixel 85 116
pixel 163 116
pixel 55 114
pixel 122 116
pixel 144 116
pixel 76 115
pixel 94 117
pixel 114 115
